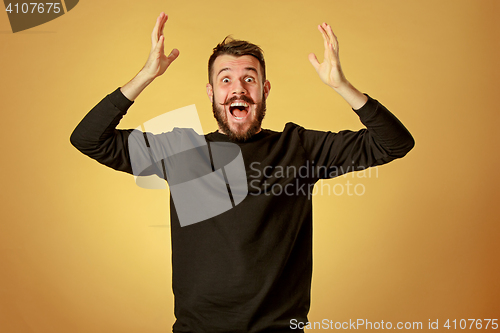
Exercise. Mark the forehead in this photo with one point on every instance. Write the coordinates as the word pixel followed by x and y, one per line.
pixel 233 64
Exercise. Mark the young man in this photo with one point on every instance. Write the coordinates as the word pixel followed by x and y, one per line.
pixel 249 268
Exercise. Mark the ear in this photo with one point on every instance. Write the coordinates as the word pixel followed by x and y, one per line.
pixel 210 92
pixel 267 88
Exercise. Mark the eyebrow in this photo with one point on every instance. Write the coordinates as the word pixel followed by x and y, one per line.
pixel 247 68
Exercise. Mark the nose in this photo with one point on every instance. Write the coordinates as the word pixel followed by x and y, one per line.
pixel 239 88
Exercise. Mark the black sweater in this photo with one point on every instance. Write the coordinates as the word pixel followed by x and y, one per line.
pixel 249 269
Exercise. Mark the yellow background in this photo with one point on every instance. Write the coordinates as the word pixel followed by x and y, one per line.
pixel 83 249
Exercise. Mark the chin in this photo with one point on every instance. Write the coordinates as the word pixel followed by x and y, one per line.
pixel 242 135
pixel 234 131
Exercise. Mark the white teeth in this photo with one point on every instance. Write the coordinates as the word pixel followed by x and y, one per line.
pixel 239 118
pixel 239 104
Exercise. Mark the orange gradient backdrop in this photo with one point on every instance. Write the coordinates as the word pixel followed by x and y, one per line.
pixel 83 249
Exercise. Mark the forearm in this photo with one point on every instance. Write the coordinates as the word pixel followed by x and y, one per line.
pixel 134 87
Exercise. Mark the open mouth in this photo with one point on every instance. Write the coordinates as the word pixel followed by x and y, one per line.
pixel 239 110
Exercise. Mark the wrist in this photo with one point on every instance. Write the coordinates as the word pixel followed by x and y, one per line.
pixel 135 86
pixel 342 87
pixel 144 78
pixel 352 96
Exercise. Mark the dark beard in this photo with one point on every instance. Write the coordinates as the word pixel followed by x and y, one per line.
pixel 221 117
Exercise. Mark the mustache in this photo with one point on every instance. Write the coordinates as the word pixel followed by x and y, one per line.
pixel 238 98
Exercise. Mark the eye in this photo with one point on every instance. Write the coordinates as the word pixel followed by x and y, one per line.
pixel 225 80
pixel 249 79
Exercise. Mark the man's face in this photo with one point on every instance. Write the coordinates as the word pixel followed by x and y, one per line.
pixel 238 95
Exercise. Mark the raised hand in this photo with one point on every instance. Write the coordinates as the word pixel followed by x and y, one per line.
pixel 329 70
pixel 158 62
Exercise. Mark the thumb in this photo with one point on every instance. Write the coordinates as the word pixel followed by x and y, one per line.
pixel 314 61
pixel 173 55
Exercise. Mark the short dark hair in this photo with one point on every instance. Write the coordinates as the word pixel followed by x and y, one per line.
pixel 238 48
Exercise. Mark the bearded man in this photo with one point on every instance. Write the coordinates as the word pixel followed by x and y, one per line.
pixel 249 268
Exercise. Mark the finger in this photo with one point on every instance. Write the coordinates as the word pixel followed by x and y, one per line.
pixel 323 34
pixel 323 29
pixel 328 40
pixel 332 37
pixel 159 47
pixel 173 55
pixel 325 41
pixel 155 34
pixel 330 33
pixel 314 61
pixel 328 54
pixel 162 42
pixel 162 26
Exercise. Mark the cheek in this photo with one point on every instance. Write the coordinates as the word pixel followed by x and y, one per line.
pixel 221 98
pixel 257 96
pixel 217 95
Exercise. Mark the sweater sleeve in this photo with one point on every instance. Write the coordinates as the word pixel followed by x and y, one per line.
pixel 97 137
pixel 384 139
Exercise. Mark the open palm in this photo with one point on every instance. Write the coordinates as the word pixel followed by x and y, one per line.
pixel 329 70
pixel 158 62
